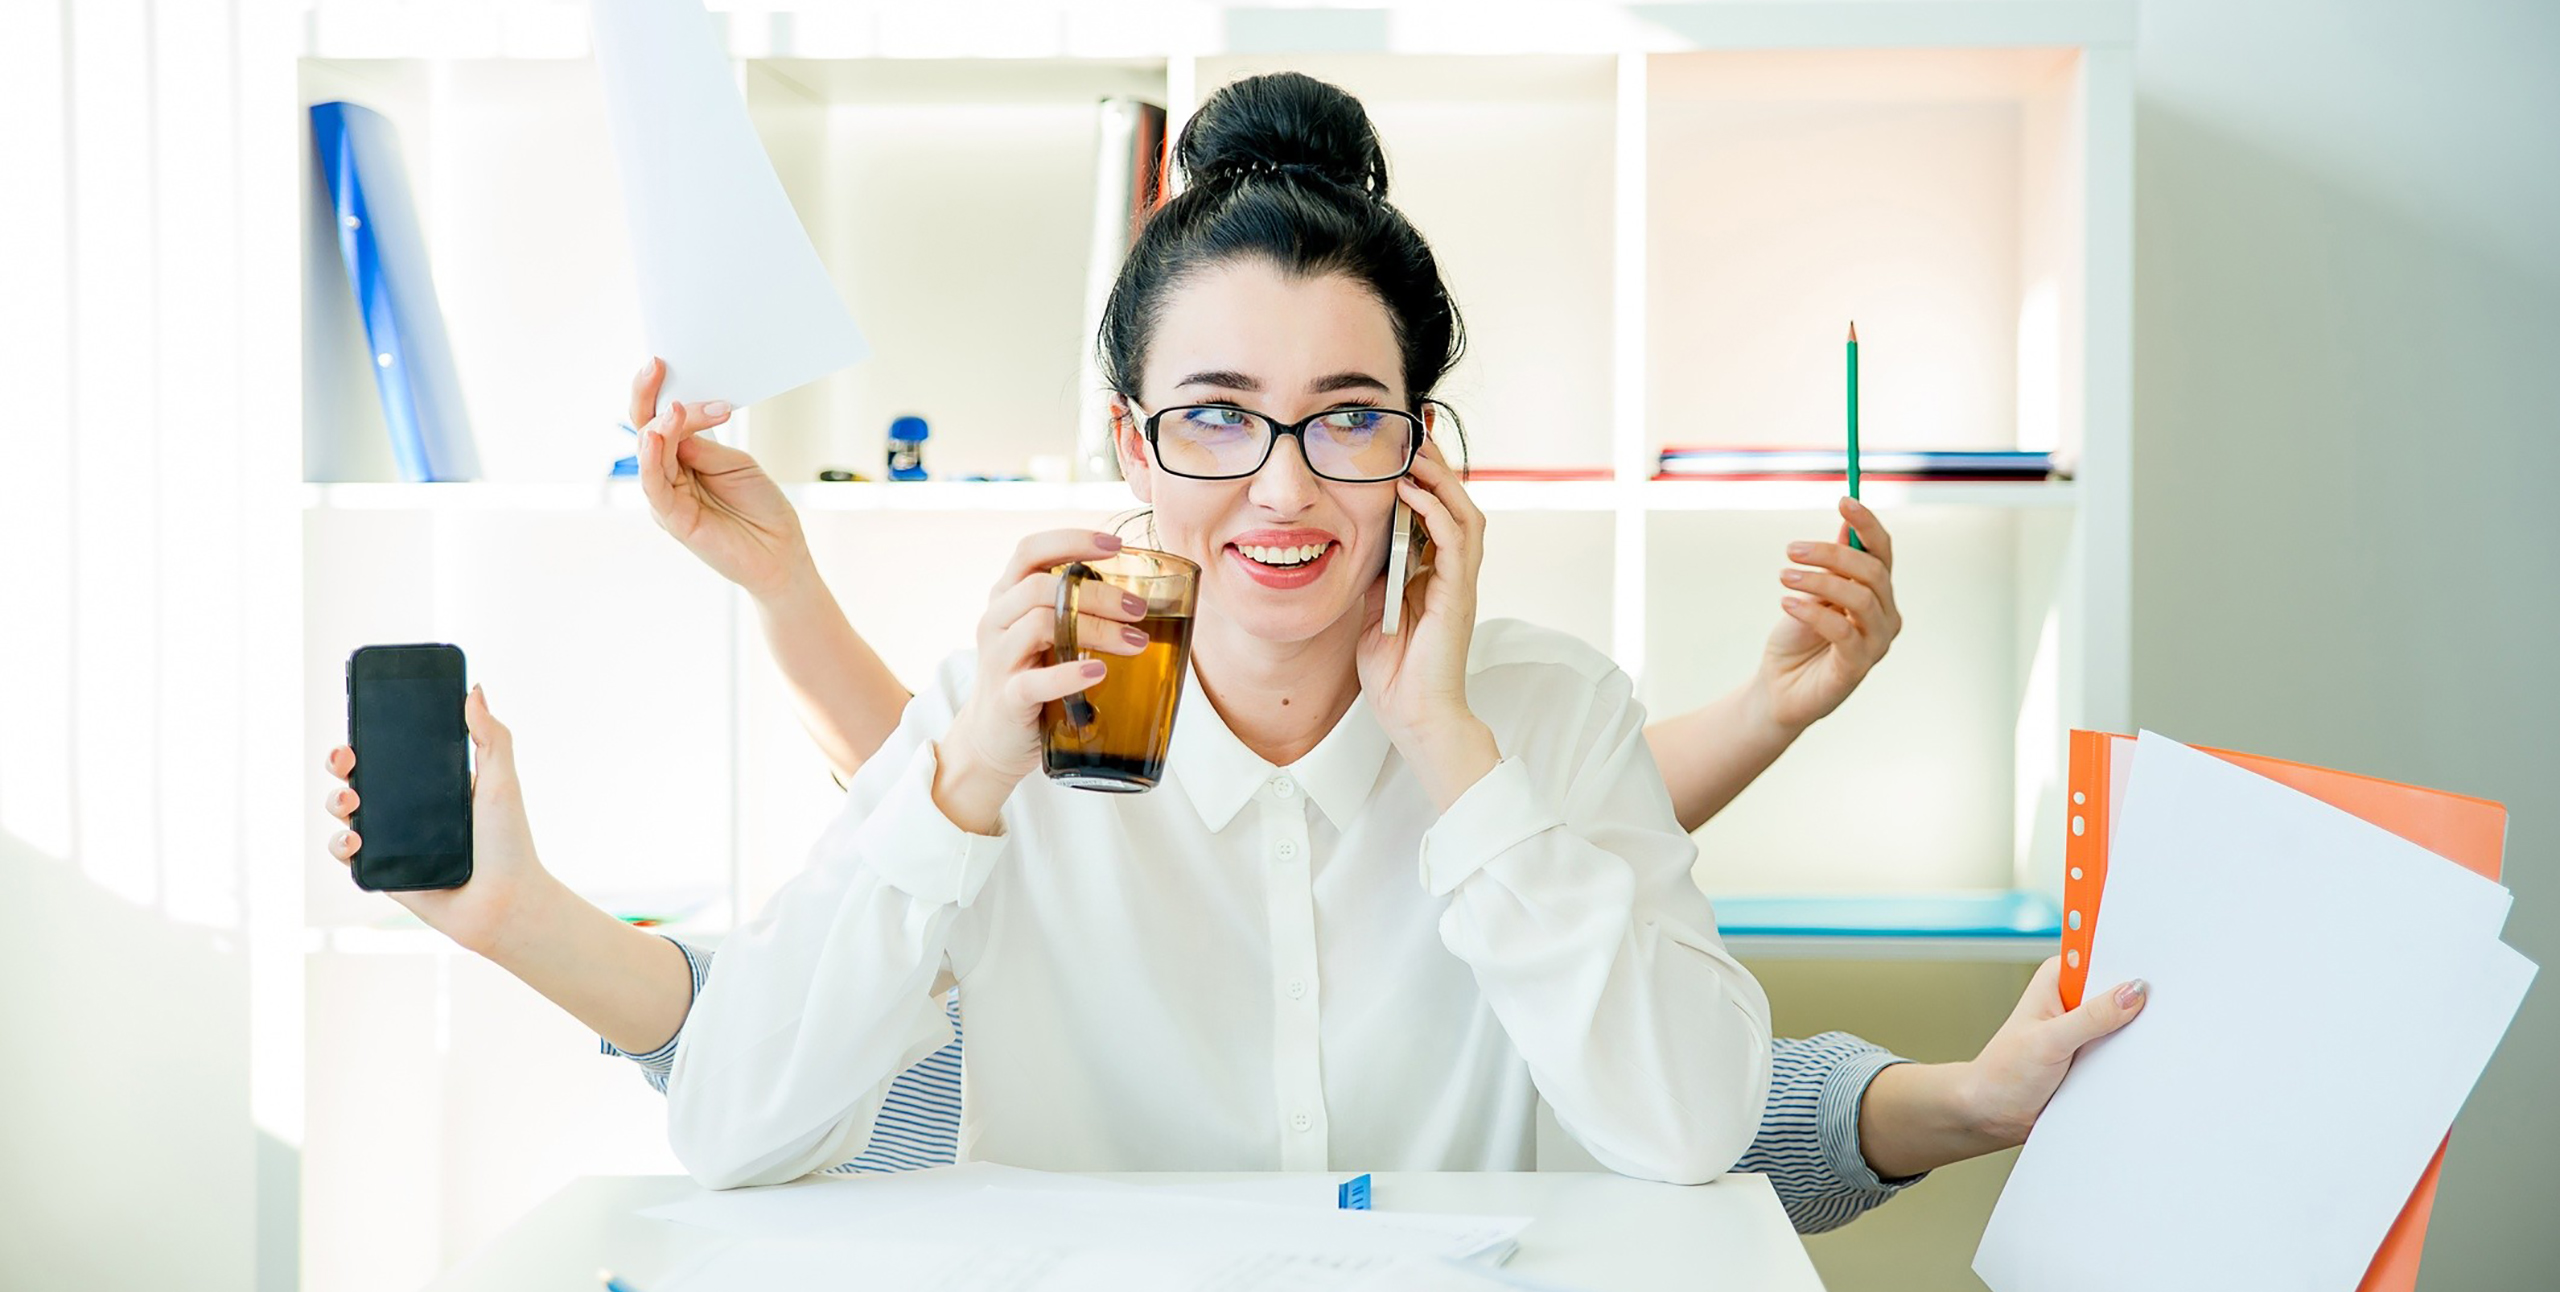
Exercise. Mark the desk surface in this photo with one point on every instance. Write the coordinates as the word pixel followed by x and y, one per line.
pixel 1605 1233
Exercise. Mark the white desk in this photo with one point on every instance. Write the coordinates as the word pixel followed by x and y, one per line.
pixel 1604 1233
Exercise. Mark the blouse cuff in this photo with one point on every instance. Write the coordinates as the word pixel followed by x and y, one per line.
pixel 1844 1089
pixel 1502 810
pixel 920 851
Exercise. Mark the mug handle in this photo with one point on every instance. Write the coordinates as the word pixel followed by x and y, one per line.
pixel 1079 710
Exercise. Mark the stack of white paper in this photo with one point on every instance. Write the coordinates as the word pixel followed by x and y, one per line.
pixel 2323 995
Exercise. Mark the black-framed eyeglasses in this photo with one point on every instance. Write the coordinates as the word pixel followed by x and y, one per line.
pixel 1355 445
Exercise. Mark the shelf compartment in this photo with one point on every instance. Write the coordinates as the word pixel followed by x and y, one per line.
pixel 1926 194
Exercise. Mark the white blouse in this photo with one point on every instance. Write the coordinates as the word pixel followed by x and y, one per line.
pixel 1253 968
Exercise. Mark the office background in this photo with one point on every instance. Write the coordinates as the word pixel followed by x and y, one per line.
pixel 2343 296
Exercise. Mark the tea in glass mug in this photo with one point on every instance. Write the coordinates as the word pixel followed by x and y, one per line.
pixel 1112 736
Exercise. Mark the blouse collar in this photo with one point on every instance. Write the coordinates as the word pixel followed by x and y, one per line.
pixel 1219 774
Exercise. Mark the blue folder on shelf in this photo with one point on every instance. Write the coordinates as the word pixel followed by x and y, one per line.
pixel 2008 914
pixel 385 248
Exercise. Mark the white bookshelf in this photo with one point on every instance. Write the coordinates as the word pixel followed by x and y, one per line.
pixel 1656 227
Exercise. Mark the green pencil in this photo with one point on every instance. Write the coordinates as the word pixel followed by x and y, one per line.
pixel 1853 428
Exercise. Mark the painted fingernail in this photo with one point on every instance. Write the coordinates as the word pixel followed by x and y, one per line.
pixel 1133 637
pixel 1094 668
pixel 1791 576
pixel 1107 542
pixel 1132 604
pixel 716 408
pixel 2131 994
pixel 1799 549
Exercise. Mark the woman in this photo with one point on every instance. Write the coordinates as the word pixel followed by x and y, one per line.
pixel 1274 647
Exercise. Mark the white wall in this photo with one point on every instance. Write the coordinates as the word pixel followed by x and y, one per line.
pixel 2346 550
pixel 148 554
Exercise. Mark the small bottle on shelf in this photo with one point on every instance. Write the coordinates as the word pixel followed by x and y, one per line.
pixel 906 448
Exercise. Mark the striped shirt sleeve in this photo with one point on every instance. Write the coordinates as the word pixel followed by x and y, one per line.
pixel 1808 1141
pixel 919 1124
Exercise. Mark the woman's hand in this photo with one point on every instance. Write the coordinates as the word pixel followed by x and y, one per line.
pixel 1841 619
pixel 994 740
pixel 1918 1117
pixel 712 497
pixel 2017 1072
pixel 1416 679
pixel 506 876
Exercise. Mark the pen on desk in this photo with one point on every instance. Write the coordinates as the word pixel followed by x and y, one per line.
pixel 612 1284
pixel 1853 427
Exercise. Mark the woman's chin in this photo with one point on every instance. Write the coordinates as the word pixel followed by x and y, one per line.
pixel 1294 615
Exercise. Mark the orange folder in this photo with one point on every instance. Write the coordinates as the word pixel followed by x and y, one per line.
pixel 2469 832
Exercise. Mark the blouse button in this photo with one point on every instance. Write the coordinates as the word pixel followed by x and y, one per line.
pixel 1297 989
pixel 1283 786
pixel 1287 849
pixel 1299 1121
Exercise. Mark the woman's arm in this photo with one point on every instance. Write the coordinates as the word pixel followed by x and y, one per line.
pixel 631 987
pixel 1569 897
pixel 1840 618
pixel 848 699
pixel 722 506
pixel 1919 1117
pixel 1709 753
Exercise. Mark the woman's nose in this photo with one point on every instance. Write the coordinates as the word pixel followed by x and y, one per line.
pixel 1286 485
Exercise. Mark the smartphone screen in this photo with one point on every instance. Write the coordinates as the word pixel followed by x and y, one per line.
pixel 413 767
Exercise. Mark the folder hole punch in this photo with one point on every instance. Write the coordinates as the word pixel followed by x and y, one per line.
pixel 2075 920
pixel 2078 798
pixel 2079 825
pixel 2071 958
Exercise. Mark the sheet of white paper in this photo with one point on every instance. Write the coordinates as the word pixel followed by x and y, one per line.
pixel 732 294
pixel 815 1206
pixel 765 1266
pixel 1049 1210
pixel 1061 1219
pixel 2323 995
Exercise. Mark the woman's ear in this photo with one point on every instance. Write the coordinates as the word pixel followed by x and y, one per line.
pixel 1132 447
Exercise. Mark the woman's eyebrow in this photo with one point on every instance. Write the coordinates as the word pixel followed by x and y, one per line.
pixel 1225 379
pixel 1222 379
pixel 1348 381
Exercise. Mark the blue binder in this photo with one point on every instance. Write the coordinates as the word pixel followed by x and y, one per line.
pixel 385 249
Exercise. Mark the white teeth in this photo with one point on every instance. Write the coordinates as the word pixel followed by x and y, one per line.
pixel 1282 556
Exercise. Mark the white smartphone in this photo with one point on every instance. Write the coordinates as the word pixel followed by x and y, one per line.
pixel 1408 555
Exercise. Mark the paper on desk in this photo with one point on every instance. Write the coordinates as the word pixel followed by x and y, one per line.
pixel 1066 1219
pixel 819 1204
pixel 766 1266
pixel 2323 996
pixel 732 295
pixel 914 1267
pixel 1106 1236
pixel 973 1199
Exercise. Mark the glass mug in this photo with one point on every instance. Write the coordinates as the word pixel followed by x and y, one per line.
pixel 1112 735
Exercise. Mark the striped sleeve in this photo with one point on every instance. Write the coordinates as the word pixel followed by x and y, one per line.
pixel 657 1063
pixel 1808 1141
pixel 919 1124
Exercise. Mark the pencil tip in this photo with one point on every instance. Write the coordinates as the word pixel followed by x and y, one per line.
pixel 1853 329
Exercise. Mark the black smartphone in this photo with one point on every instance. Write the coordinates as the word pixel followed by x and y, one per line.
pixel 413 767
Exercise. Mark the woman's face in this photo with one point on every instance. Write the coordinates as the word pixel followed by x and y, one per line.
pixel 1245 333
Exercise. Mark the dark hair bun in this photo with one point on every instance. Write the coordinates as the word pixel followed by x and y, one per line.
pixel 1284 125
